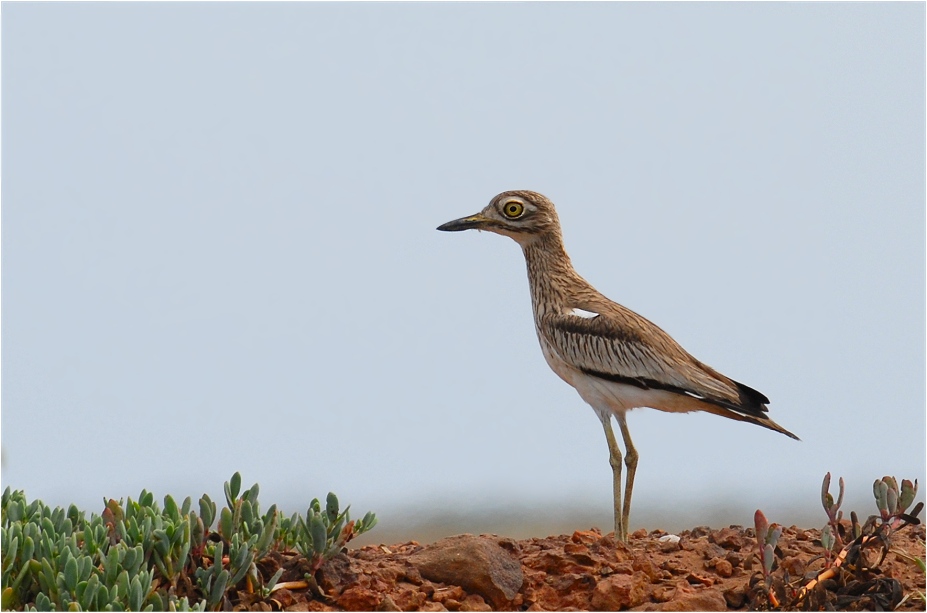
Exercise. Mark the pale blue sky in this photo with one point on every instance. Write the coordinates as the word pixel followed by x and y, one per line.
pixel 218 246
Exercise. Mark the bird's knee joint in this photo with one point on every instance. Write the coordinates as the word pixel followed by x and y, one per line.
pixel 615 461
pixel 630 459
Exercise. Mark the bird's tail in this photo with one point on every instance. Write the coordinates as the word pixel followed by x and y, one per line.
pixel 753 419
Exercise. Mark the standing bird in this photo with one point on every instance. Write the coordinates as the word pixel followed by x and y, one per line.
pixel 613 357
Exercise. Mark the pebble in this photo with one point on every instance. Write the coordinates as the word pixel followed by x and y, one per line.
pixel 619 592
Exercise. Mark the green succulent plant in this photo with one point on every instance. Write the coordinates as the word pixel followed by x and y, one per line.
pixel 138 556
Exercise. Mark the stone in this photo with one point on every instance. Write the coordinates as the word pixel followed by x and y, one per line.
pixel 695 579
pixel 427 588
pixel 706 600
pixel 699 531
pixel 579 553
pixel 452 592
pixel 728 538
pixel 358 598
pixel 283 598
pixel 572 582
pixel 793 565
pixel 335 574
pixel 474 602
pixel 545 597
pixel 409 599
pixel 586 536
pixel 735 597
pixel 478 564
pixel 736 559
pixel 643 564
pixel 620 592
pixel 724 568
pixel 669 543
pixel 663 593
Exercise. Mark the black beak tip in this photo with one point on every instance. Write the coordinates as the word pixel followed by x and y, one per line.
pixel 453 226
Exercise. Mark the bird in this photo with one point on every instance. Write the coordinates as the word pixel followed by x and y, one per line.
pixel 614 358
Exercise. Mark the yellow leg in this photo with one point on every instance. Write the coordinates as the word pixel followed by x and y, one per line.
pixel 630 460
pixel 614 458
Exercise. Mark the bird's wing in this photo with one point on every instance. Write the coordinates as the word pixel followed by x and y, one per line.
pixel 624 347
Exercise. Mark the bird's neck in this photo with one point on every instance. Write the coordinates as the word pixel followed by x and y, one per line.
pixel 551 276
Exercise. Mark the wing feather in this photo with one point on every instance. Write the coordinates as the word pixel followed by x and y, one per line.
pixel 626 348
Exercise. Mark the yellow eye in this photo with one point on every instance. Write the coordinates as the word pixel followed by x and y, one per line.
pixel 513 209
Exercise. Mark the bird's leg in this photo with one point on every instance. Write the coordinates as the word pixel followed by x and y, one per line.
pixel 614 458
pixel 630 459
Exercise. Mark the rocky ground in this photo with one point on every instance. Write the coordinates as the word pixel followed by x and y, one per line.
pixel 696 570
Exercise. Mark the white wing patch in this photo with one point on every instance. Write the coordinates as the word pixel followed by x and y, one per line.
pixel 582 313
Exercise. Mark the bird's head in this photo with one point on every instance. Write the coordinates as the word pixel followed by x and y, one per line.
pixel 521 215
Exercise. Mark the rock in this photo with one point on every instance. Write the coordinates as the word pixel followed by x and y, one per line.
pixel 335 573
pixel 474 602
pixel 453 592
pixel 544 598
pixel 699 580
pixel 358 598
pixel 476 563
pixel 669 543
pixel 579 553
pixel 805 535
pixel 572 582
pixel 736 559
pixel 586 536
pixel 575 548
pixel 432 607
pixel 388 604
pixel 793 565
pixel 409 600
pixel 620 592
pixel 663 593
pixel 558 563
pixel 735 597
pixel 643 564
pixel 283 598
pixel 569 591
pixel 699 531
pixel 713 551
pixel 728 538
pixel 707 600
pixel 724 568
pixel 411 574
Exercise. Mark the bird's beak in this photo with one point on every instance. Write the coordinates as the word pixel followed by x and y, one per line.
pixel 466 223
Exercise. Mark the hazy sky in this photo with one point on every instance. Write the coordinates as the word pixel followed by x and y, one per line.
pixel 219 248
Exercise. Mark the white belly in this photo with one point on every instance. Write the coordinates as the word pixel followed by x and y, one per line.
pixel 610 397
